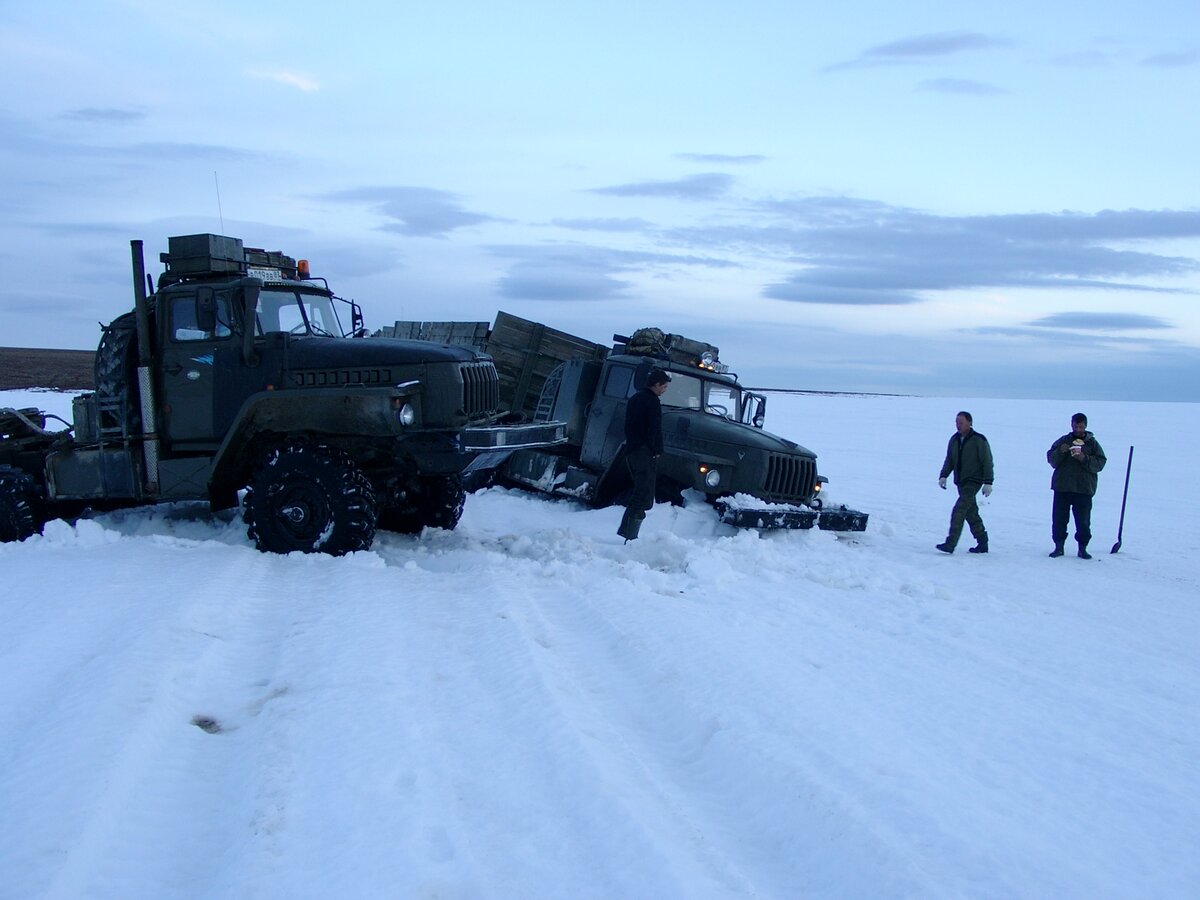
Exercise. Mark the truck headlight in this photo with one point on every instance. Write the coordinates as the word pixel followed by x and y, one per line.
pixel 407 415
pixel 712 477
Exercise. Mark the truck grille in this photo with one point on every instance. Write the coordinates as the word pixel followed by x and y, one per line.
pixel 481 389
pixel 789 478
pixel 338 377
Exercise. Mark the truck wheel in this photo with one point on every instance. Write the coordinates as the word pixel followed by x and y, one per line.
pixel 310 497
pixel 437 502
pixel 18 519
pixel 442 501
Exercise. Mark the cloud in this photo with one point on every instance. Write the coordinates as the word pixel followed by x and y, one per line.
pixel 1097 321
pixel 582 272
pixel 1105 225
pixel 940 44
pixel 97 114
pixel 1085 59
pixel 414 211
pixel 1031 335
pixel 549 281
pixel 101 230
pixel 803 289
pixel 1173 60
pixel 168 151
pixel 291 79
pixel 22 137
pixel 922 47
pixel 960 86
pixel 856 252
pixel 988 362
pixel 614 225
pixel 722 159
pixel 706 186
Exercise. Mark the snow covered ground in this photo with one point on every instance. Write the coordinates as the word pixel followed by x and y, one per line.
pixel 526 707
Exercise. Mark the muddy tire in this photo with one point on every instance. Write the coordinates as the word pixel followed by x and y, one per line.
pixel 436 502
pixel 309 497
pixel 18 505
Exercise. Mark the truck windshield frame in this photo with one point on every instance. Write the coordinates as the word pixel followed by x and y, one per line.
pixel 718 398
pixel 297 310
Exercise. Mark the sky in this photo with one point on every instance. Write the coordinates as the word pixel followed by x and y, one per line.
pixel 913 198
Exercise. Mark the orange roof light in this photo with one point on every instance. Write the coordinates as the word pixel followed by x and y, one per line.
pixel 302 268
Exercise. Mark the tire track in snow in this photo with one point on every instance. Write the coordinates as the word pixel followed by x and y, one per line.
pixel 647 744
pixel 159 660
pixel 687 767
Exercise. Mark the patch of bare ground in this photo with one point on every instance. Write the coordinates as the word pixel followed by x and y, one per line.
pixel 63 370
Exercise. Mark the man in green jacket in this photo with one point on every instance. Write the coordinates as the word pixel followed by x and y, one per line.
pixel 1077 458
pixel 969 457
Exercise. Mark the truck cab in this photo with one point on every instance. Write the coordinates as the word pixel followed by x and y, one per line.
pixel 713 435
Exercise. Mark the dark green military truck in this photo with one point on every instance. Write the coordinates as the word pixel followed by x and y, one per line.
pixel 713 435
pixel 241 371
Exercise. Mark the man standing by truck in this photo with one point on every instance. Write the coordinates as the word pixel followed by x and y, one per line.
pixel 969 457
pixel 643 447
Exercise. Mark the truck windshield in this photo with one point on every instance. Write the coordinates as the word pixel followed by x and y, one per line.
pixel 296 312
pixel 690 392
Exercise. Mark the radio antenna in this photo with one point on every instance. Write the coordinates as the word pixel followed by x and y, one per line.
pixel 220 214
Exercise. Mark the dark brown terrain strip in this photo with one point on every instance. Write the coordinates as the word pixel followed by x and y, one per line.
pixel 64 370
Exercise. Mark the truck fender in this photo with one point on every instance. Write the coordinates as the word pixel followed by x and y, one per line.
pixel 334 411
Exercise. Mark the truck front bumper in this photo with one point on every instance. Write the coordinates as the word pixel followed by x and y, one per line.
pixel 514 437
pixel 772 515
pixel 492 445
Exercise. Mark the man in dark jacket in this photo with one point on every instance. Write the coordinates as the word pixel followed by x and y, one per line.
pixel 1077 458
pixel 643 447
pixel 969 457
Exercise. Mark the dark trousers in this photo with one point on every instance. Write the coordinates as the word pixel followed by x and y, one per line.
pixel 643 469
pixel 1066 503
pixel 966 509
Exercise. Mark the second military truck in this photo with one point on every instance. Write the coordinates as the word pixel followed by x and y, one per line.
pixel 713 435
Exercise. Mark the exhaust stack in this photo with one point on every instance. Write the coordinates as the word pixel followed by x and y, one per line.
pixel 149 408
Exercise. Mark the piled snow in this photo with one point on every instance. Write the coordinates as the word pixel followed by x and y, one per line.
pixel 528 707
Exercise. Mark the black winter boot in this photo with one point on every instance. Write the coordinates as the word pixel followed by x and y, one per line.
pixel 1057 551
pixel 946 547
pixel 631 524
pixel 981 547
pixel 1083 554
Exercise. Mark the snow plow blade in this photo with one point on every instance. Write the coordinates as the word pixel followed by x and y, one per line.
pixel 840 519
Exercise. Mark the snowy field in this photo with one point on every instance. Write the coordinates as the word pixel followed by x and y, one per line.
pixel 525 707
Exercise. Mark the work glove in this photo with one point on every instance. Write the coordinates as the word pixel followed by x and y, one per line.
pixel 987 490
pixel 942 482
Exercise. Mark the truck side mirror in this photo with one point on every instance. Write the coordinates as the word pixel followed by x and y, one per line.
pixel 206 310
pixel 754 410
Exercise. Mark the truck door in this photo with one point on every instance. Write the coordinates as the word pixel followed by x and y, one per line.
pixel 605 429
pixel 197 342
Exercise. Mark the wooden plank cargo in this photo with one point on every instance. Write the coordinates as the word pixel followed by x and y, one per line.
pixel 525 352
